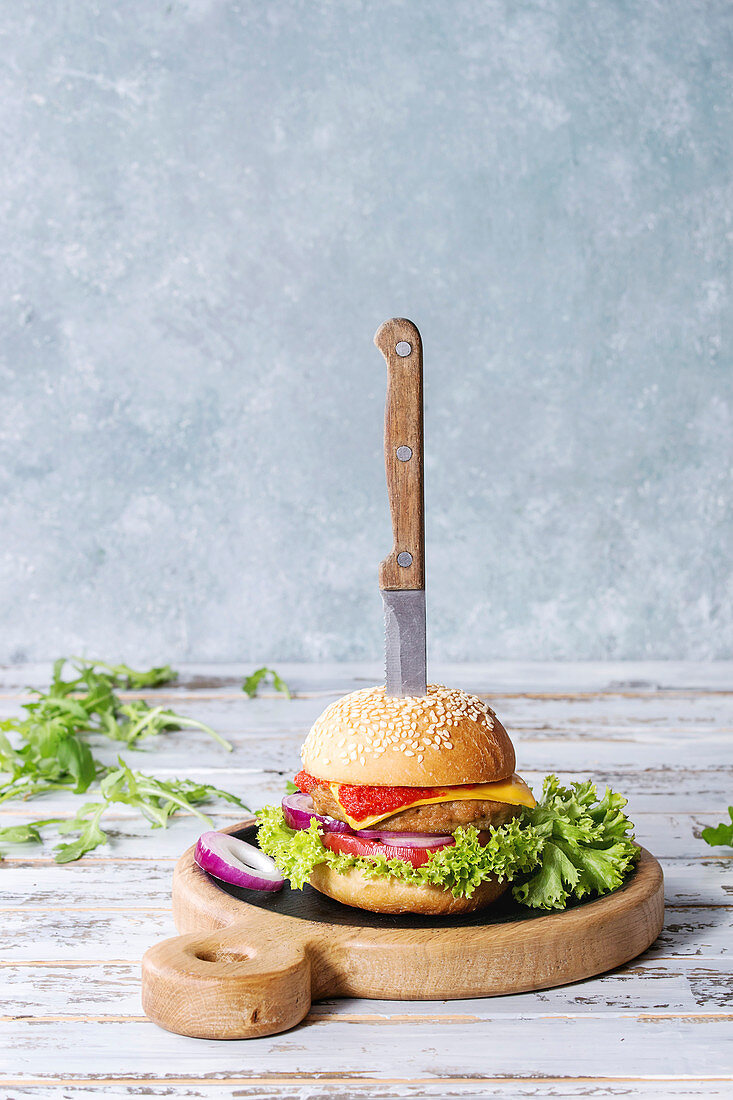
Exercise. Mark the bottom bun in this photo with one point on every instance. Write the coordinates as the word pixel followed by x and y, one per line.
pixel 390 895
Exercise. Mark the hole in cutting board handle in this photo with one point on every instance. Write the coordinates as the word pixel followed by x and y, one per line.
pixel 403 349
pixel 221 954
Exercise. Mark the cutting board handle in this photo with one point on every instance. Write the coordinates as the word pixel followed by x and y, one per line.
pixel 232 984
pixel 400 344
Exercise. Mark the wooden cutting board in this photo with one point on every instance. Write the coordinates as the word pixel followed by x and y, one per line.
pixel 250 963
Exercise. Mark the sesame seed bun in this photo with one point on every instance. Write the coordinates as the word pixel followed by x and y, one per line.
pixel 441 739
pixel 389 895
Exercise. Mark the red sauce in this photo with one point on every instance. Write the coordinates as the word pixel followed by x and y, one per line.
pixel 360 802
pixel 306 783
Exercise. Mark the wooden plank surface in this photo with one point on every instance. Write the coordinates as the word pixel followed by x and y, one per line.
pixel 662 1026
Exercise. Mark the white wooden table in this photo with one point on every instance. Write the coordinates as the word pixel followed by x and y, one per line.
pixel 662 1026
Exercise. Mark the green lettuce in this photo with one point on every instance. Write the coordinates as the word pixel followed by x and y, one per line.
pixel 460 868
pixel 587 845
pixel 570 845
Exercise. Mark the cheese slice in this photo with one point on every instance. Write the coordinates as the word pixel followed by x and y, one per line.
pixel 513 791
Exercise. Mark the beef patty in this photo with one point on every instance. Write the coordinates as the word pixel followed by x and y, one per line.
pixel 441 817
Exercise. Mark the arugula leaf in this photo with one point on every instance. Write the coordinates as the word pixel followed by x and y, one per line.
pixel 75 757
pixel 52 752
pixel 721 834
pixel 290 787
pixel 86 824
pixel 140 721
pixel 156 799
pixel 122 676
pixel 252 683
pixel 21 834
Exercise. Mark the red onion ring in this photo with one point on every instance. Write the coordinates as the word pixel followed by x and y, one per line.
pixel 299 811
pixel 408 840
pixel 232 860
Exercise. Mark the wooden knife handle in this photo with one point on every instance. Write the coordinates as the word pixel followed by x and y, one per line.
pixel 404 568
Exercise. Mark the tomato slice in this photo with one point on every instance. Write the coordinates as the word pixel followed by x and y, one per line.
pixel 358 846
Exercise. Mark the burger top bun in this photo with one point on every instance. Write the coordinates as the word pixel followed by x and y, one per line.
pixel 444 738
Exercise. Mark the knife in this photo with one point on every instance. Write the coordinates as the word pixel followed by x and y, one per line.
pixel 402 573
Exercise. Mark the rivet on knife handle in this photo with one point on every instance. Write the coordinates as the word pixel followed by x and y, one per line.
pixel 400 344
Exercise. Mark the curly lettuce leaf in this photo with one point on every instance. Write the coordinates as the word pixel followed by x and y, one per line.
pixel 588 846
pixel 461 868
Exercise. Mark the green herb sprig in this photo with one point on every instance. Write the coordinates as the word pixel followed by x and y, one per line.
pixel 52 752
pixel 721 834
pixel 262 675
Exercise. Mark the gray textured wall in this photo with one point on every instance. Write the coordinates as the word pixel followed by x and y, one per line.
pixel 208 207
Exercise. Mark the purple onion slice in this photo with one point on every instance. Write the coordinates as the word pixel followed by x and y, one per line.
pixel 298 811
pixel 408 840
pixel 232 860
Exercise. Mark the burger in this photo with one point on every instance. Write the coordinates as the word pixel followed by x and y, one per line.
pixel 404 805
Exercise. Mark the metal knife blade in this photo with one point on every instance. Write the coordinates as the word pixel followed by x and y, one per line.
pixel 405 646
